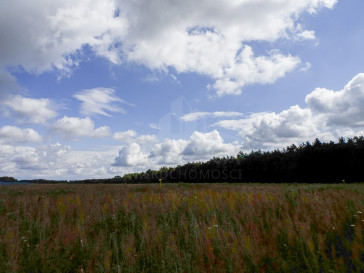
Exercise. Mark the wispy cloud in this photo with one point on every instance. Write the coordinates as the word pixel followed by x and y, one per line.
pixel 154 126
pixel 131 136
pixel 200 115
pixel 100 101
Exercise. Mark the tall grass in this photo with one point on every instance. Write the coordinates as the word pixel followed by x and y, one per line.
pixel 178 228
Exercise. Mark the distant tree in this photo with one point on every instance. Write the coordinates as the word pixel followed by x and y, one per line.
pixel 7 179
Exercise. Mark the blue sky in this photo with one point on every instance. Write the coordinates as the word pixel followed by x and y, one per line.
pixel 92 89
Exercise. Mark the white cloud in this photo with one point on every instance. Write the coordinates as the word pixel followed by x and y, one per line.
pixel 329 114
pixel 306 67
pixel 307 35
pixel 73 127
pixel 42 35
pixel 131 136
pixel 200 146
pixel 319 4
pixel 13 134
pixel 125 136
pixel 131 155
pixel 44 157
pixel 200 115
pixel 91 164
pixel 154 126
pixel 272 130
pixel 210 39
pixel 208 145
pixel 146 139
pixel 248 69
pixel 56 161
pixel 28 110
pixel 99 101
pixel 169 151
pixel 303 34
pixel 342 108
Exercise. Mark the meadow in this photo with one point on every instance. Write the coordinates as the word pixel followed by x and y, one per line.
pixel 182 228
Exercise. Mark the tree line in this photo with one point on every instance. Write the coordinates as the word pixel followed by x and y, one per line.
pixel 317 162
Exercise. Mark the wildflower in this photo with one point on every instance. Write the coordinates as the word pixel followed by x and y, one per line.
pixel 352 225
pixel 359 212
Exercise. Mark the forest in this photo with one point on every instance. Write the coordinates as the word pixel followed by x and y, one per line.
pixel 340 162
pixel 317 162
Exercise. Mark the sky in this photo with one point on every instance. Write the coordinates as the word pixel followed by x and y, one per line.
pixel 95 89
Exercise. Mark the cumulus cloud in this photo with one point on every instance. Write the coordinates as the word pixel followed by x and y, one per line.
pixel 99 101
pixel 248 69
pixel 131 155
pixel 125 136
pixel 329 114
pixel 28 110
pixel 169 151
pixel 341 108
pixel 56 161
pixel 24 110
pixel 205 146
pixel 95 163
pixel 200 115
pixel 29 158
pixel 200 146
pixel 213 38
pixel 48 35
pixel 73 127
pixel 13 135
pixel 207 38
pixel 267 130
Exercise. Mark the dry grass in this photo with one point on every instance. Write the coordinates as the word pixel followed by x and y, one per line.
pixel 182 228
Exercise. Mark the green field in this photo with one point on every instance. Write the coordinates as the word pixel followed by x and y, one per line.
pixel 182 228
